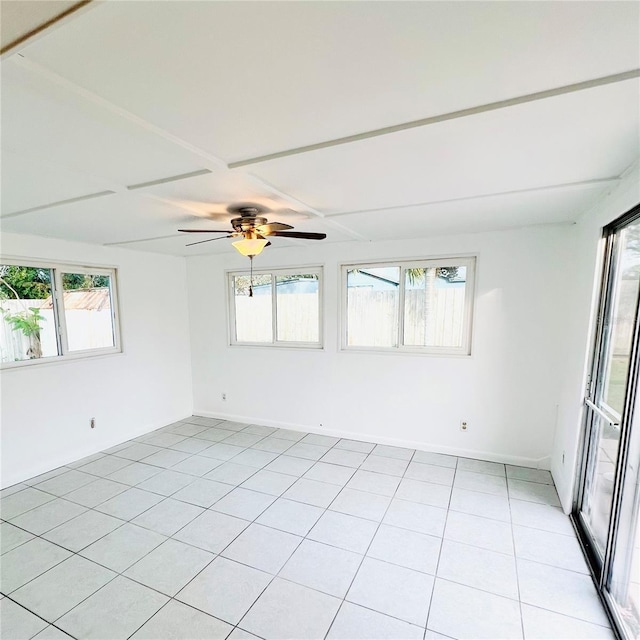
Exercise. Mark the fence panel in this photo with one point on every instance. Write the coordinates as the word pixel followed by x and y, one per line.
pixel 372 318
pixel 436 320
pixel 89 329
pixel 86 329
pixel 298 317
pixel 14 345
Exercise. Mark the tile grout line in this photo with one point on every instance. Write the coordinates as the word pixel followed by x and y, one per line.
pixel 195 478
pixel 165 497
pixel 364 555
pixel 117 573
pixel 153 616
pixel 100 538
pixel 204 476
pixel 38 616
pixel 210 508
pixel 302 539
pixel 444 529
pixel 288 580
pixel 219 554
pixel 515 559
pixel 97 563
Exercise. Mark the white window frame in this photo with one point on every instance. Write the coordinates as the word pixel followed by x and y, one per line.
pixel 59 316
pixel 274 273
pixel 470 262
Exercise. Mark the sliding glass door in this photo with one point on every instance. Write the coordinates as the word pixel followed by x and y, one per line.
pixel 624 583
pixel 607 505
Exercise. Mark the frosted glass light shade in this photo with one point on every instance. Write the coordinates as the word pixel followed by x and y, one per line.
pixel 250 247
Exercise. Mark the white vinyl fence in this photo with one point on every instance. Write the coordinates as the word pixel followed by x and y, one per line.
pixel 297 318
pixel 86 329
pixel 89 329
pixel 624 316
pixel 436 320
pixel 14 345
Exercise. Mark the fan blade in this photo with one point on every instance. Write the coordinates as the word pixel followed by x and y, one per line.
pixel 261 237
pixel 299 234
pixel 204 230
pixel 209 240
pixel 269 228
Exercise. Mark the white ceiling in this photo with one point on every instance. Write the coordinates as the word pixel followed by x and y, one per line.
pixel 128 93
pixel 18 19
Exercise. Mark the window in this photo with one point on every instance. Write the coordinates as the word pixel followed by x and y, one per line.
pixel 420 306
pixel 284 309
pixel 56 311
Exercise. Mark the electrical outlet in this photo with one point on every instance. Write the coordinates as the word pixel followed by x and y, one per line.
pixel 93 423
pixel 224 395
pixel 463 425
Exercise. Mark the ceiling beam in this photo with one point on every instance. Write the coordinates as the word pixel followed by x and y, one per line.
pixel 89 196
pixel 116 244
pixel 306 208
pixel 210 161
pixel 39 28
pixel 182 176
pixel 567 186
pixel 444 117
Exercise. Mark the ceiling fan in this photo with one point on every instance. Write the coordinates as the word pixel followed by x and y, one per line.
pixel 253 229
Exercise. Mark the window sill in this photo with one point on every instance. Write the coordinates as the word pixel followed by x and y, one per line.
pixel 394 351
pixel 282 346
pixel 24 365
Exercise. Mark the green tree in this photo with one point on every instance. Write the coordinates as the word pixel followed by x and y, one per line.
pixel 450 274
pixel 631 259
pixel 30 283
pixel 242 283
pixel 83 281
pixel 20 283
pixel 34 283
pixel 416 274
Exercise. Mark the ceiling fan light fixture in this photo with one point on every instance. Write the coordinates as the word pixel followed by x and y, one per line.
pixel 250 246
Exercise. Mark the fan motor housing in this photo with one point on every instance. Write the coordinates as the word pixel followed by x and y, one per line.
pixel 247 223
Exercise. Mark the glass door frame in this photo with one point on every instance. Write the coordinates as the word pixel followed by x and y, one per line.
pixel 601 568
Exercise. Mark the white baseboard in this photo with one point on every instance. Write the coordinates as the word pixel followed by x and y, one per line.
pixel 78 454
pixel 74 456
pixel 564 489
pixel 521 461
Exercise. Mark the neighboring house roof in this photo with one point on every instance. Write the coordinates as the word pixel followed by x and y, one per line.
pixel 84 299
pixel 295 285
pixel 376 282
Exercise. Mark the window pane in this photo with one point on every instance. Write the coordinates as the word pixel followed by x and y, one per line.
pixel 625 298
pixel 372 306
pixel 253 314
pixel 434 306
pixel 625 576
pixel 297 308
pixel 87 311
pixel 598 494
pixel 28 328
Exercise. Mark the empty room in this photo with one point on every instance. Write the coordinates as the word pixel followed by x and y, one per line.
pixel 320 320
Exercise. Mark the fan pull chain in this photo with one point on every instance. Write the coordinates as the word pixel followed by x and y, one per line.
pixel 251 278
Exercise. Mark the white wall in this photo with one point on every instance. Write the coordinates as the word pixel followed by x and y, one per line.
pixel 583 269
pixel 534 295
pixel 507 390
pixel 46 408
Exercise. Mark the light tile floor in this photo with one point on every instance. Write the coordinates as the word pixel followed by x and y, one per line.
pixel 214 529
